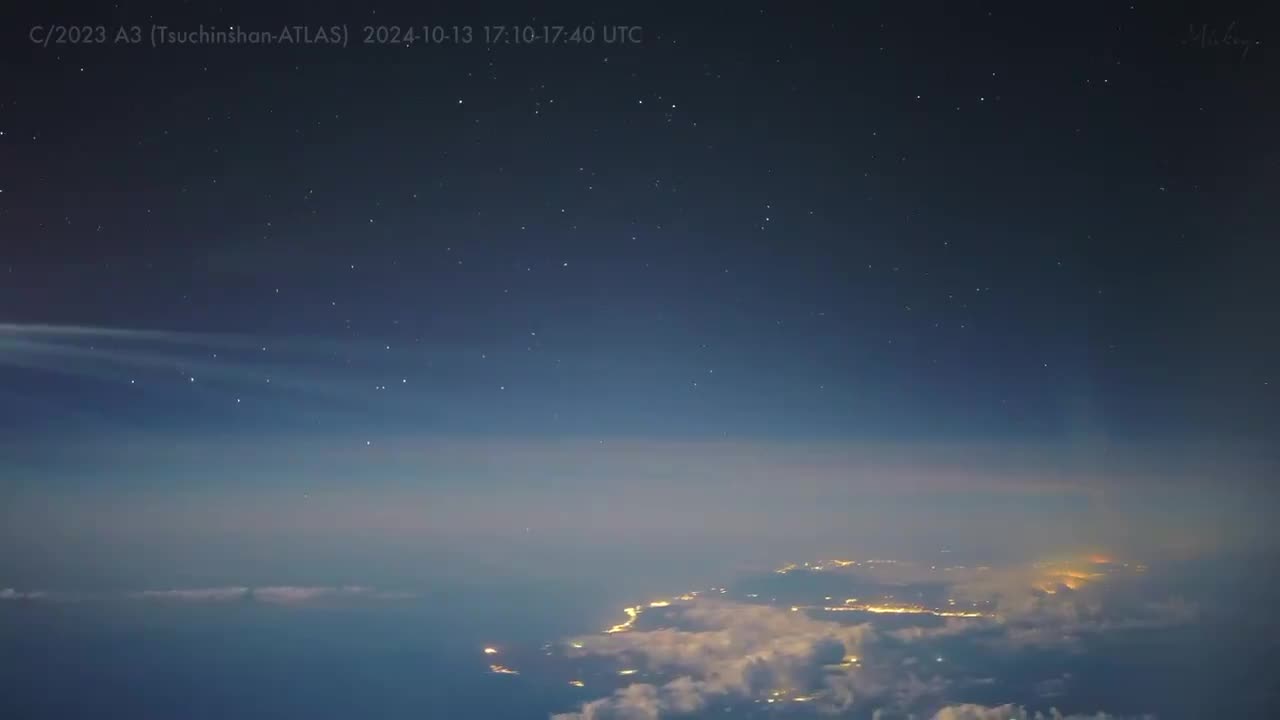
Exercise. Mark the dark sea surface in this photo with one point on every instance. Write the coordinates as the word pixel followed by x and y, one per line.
pixel 419 658
pixel 110 656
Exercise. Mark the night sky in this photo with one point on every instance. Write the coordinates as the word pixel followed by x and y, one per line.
pixel 891 274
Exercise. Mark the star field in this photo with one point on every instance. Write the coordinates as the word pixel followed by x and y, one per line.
pixel 582 361
pixel 870 225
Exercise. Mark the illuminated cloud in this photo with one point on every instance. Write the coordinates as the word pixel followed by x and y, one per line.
pixel 712 652
pixel 950 628
pixel 1042 604
pixel 980 582
pixel 642 701
pixel 1062 622
pixel 735 651
pixel 1014 712
pixel 1052 604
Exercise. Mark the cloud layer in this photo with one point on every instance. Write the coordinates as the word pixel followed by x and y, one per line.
pixel 273 594
pixel 731 651
pixel 702 652
pixel 1015 712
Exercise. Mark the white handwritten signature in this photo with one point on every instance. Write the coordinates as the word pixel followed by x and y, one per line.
pixel 1209 37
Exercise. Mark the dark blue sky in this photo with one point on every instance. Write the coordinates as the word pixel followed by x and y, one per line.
pixel 835 258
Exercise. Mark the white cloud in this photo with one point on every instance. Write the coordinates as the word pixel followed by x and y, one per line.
pixel 1063 620
pixel 286 594
pixel 735 651
pixel 642 701
pixel 1049 605
pixel 1014 712
pixel 725 652
pixel 275 594
pixel 12 594
pixel 196 594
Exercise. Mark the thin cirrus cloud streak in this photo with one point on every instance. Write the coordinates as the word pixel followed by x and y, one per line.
pixel 275 594
pixel 271 594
